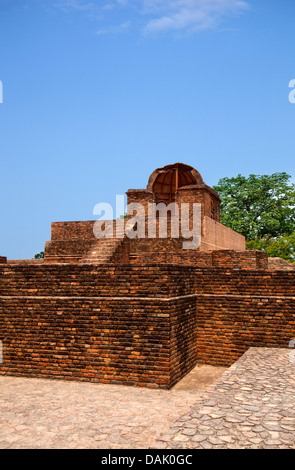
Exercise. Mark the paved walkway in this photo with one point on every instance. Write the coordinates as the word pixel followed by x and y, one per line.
pixel 40 413
pixel 251 406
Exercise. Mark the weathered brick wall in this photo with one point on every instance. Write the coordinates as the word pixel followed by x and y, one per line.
pixel 144 325
pixel 157 281
pixel 67 251
pixel 122 253
pixel 229 325
pixel 69 241
pixel 72 241
pixel 25 261
pixel 238 309
pixel 3 259
pixel 216 236
pixel 68 247
pixel 70 230
pixel 183 340
pixel 110 324
pixel 108 341
pixel 280 264
pixel 244 282
pixel 170 251
pixel 204 195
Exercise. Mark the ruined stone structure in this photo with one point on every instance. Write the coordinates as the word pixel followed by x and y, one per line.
pixel 179 183
pixel 142 311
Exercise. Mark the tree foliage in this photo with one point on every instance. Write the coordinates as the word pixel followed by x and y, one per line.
pixel 282 247
pixel 258 206
pixel 39 255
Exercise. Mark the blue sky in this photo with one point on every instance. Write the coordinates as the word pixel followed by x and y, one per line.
pixel 97 94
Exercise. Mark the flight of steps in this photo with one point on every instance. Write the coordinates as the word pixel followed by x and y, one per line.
pixel 102 251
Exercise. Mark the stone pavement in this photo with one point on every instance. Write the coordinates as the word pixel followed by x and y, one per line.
pixel 41 413
pixel 251 406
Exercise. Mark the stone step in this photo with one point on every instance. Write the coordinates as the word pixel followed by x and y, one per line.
pixel 102 251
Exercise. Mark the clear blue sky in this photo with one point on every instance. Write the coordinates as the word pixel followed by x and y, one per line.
pixel 97 94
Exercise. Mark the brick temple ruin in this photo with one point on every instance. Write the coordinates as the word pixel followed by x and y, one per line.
pixel 143 311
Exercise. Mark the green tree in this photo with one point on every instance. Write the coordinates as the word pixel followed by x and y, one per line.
pixel 39 255
pixel 282 247
pixel 258 206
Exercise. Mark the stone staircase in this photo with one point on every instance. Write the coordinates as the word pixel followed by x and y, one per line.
pixel 102 251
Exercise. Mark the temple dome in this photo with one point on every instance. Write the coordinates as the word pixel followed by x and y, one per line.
pixel 167 180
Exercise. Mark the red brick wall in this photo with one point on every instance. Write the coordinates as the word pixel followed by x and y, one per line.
pixel 36 261
pixel 216 236
pixel 69 247
pixel 229 325
pixel 106 341
pixel 110 324
pixel 238 309
pixel 71 241
pixel 70 230
pixel 143 325
pixel 244 282
pixel 157 281
pixel 183 339
pixel 170 251
pixel 209 200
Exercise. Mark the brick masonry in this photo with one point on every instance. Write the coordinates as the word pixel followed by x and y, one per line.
pixel 138 325
pixel 109 324
pixel 170 251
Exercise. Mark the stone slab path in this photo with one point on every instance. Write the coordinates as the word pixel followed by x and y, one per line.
pixel 252 405
pixel 40 413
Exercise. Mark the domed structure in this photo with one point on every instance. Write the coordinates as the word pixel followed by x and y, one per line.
pixel 167 180
pixel 178 183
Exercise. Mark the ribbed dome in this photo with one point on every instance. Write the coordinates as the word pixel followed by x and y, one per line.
pixel 165 181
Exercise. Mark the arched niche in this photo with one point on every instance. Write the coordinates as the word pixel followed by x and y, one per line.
pixel 164 182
